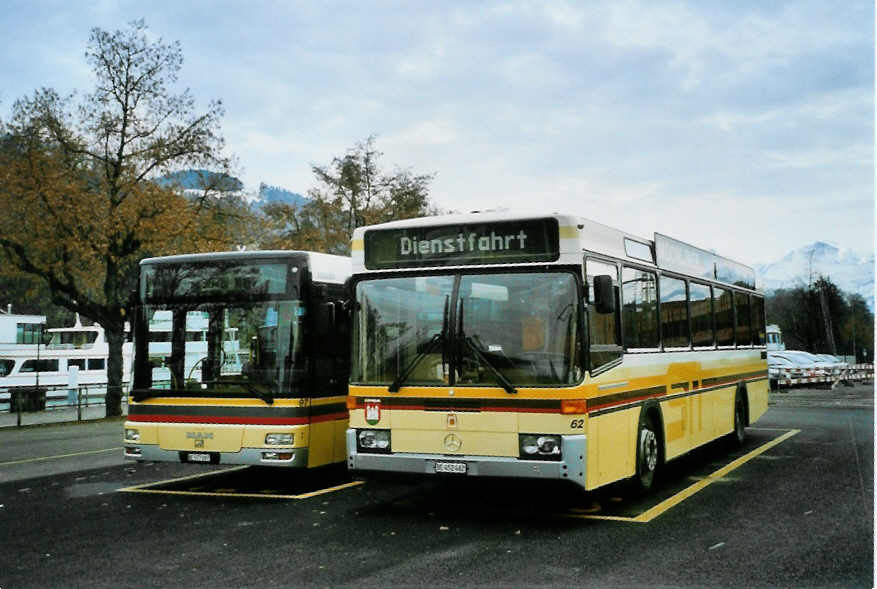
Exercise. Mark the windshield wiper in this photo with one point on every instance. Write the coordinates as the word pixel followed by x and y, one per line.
pixel 470 343
pixel 429 348
pixel 264 395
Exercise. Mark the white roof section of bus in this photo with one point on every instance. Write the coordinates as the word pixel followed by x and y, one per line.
pixel 577 234
pixel 329 268
pixel 324 267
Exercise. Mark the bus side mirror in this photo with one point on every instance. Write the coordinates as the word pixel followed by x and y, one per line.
pixel 604 294
pixel 255 351
pixel 326 318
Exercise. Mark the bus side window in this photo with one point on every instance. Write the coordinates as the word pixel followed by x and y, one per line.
pixel 701 305
pixel 723 305
pixel 602 327
pixel 639 294
pixel 758 322
pixel 674 313
pixel 743 312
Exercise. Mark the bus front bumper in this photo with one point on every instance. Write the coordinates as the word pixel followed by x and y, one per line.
pixel 570 468
pixel 253 456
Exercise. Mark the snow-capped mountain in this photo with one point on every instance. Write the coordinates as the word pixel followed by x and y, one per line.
pixel 851 271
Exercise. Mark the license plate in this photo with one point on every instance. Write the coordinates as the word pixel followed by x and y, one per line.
pixel 451 467
pixel 199 457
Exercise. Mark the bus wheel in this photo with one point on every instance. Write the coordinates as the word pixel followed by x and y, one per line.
pixel 647 453
pixel 739 433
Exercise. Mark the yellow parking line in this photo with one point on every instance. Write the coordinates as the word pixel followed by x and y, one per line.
pixel 141 488
pixel 149 488
pixel 329 489
pixel 242 495
pixel 41 458
pixel 684 494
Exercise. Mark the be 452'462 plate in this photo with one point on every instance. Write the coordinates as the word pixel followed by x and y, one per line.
pixel 450 467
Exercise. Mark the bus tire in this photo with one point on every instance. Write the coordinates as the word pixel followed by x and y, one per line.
pixel 648 451
pixel 738 435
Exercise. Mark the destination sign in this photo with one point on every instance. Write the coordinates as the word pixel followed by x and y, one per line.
pixel 168 282
pixel 501 242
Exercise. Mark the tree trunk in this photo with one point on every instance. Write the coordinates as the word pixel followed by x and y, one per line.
pixel 826 321
pixel 115 337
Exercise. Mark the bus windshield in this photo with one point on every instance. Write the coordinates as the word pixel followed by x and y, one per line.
pixel 473 329
pixel 210 347
pixel 222 328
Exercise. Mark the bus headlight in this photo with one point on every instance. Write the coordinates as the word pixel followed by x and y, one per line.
pixel 539 446
pixel 373 440
pixel 278 439
pixel 132 435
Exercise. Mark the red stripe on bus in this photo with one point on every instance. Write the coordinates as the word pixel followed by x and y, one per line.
pixel 712 385
pixel 487 409
pixel 624 402
pixel 221 419
pixel 240 420
pixel 523 410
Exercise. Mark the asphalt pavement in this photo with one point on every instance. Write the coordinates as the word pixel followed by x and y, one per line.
pixel 792 508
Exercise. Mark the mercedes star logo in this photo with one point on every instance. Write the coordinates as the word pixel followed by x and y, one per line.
pixel 452 442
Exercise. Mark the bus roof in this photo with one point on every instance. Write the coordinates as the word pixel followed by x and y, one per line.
pixel 323 267
pixel 576 236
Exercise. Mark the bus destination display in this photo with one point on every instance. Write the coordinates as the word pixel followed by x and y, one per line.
pixel 478 243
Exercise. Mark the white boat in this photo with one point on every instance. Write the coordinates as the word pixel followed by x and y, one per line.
pixel 20 331
pixel 74 358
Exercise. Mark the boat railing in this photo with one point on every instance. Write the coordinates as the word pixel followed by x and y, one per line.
pixel 69 346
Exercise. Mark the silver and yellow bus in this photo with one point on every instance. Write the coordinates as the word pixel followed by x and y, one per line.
pixel 553 347
pixel 241 358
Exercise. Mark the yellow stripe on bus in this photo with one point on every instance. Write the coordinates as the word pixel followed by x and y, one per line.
pixel 568 232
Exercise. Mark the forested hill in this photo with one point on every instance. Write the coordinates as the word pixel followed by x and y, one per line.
pixel 198 179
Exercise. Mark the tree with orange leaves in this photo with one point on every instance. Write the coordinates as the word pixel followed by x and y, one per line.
pixel 76 182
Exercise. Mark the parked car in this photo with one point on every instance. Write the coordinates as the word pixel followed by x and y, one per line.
pixel 780 368
pixel 836 363
pixel 812 362
pixel 795 365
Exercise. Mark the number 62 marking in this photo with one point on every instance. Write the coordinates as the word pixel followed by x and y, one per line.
pixel 577 424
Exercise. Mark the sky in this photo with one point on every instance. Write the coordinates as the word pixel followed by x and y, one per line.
pixel 743 127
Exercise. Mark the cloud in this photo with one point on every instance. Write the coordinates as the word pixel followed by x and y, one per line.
pixel 709 120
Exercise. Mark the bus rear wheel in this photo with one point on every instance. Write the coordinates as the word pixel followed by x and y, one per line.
pixel 647 453
pixel 738 436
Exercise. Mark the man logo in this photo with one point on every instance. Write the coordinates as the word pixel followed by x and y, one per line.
pixel 199 437
pixel 452 443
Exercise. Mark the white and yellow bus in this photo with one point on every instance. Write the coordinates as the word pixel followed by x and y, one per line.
pixel 241 358
pixel 554 347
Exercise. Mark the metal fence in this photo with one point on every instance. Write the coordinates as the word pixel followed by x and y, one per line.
pixel 48 398
pixel 790 377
